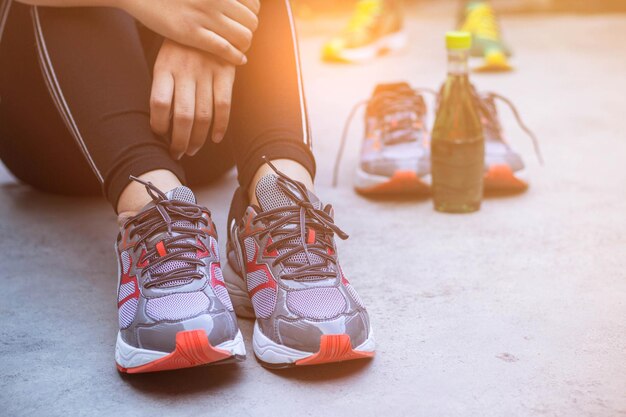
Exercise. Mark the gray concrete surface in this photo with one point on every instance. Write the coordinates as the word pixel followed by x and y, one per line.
pixel 517 310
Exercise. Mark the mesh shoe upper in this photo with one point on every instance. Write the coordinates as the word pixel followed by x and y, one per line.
pixel 396 136
pixel 497 150
pixel 286 249
pixel 170 276
pixel 479 18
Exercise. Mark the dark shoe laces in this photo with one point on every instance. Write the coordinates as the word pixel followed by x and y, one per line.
pixel 180 242
pixel 399 110
pixel 292 241
pixel 486 105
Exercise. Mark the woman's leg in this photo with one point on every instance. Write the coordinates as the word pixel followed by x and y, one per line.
pixel 268 115
pixel 35 144
pixel 173 308
pixel 90 112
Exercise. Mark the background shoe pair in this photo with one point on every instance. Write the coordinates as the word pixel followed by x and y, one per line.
pixel 377 27
pixel 395 152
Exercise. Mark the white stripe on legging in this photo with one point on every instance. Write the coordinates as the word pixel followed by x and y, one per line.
pixel 5 6
pixel 305 124
pixel 56 92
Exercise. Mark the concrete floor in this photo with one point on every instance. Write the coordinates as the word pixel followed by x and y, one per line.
pixel 517 310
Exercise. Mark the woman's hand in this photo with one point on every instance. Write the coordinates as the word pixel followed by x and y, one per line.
pixel 221 27
pixel 191 88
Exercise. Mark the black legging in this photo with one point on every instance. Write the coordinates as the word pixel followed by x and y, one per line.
pixel 74 101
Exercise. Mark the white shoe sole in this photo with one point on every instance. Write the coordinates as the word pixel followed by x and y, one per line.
pixel 272 354
pixel 268 352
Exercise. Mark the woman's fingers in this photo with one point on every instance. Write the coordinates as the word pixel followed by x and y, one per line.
pixel 211 42
pixel 161 101
pixel 242 14
pixel 203 115
pixel 235 33
pixel 184 110
pixel 222 96
pixel 253 5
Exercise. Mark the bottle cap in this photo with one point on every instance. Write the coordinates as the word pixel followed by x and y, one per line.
pixel 456 40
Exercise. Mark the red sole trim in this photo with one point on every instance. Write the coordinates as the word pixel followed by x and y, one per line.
pixel 192 349
pixel 402 182
pixel 334 348
pixel 502 178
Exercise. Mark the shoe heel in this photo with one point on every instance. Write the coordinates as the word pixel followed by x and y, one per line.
pixel 237 291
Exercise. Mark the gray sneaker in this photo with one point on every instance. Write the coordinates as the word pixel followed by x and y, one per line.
pixel 504 168
pixel 283 270
pixel 174 309
pixel 395 153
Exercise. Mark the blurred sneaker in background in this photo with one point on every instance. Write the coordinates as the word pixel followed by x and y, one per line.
pixel 504 168
pixel 395 152
pixel 376 28
pixel 479 18
pixel 395 156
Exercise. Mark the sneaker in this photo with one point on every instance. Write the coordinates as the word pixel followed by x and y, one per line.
pixel 374 29
pixel 174 309
pixel 395 155
pixel 283 270
pixel 479 18
pixel 504 168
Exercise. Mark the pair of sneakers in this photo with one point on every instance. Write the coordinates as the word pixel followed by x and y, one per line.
pixel 377 27
pixel 395 152
pixel 177 303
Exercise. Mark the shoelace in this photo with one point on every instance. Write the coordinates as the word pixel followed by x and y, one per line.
pixel 383 104
pixel 305 217
pixel 481 21
pixel 492 118
pixel 161 218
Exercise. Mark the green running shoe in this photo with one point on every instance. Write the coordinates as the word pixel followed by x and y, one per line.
pixel 479 18
pixel 376 28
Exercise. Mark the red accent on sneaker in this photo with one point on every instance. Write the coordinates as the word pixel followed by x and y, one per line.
pixel 502 178
pixel 253 266
pixel 161 249
pixel 334 348
pixel 344 280
pixel 126 278
pixel 214 281
pixel 402 182
pixel 192 349
pixel 202 253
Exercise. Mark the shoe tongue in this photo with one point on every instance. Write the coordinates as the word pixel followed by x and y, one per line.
pixel 181 193
pixel 271 196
